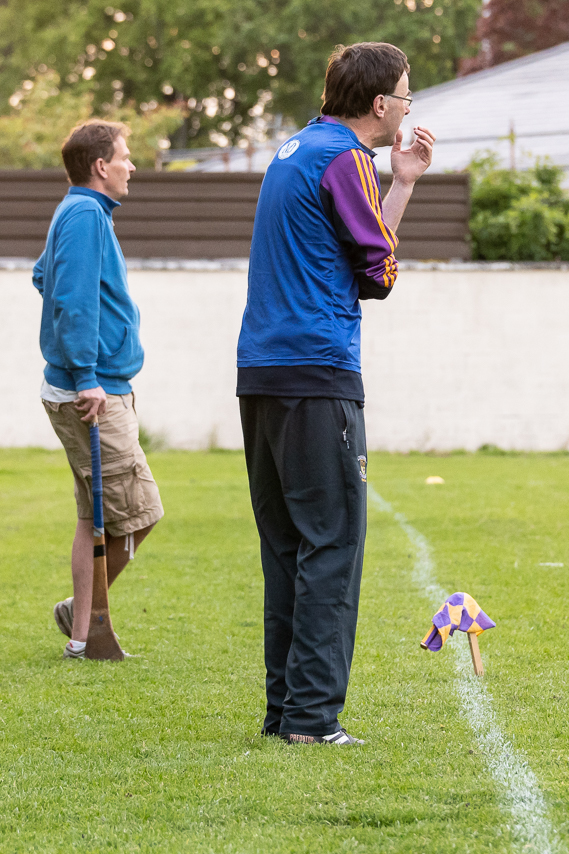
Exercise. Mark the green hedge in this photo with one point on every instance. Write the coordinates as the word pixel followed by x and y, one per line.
pixel 518 216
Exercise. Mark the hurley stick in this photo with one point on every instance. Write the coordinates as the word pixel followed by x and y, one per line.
pixel 101 640
pixel 475 653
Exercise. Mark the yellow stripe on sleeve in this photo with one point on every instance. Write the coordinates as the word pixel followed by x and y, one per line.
pixel 368 166
pixel 387 233
pixel 369 185
pixel 363 161
pixel 362 179
pixel 371 192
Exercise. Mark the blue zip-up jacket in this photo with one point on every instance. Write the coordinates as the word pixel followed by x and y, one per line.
pixel 303 298
pixel 90 324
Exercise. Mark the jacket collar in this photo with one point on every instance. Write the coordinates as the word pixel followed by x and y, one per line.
pixel 105 201
pixel 330 120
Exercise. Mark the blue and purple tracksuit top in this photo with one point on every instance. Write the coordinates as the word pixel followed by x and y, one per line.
pixel 320 245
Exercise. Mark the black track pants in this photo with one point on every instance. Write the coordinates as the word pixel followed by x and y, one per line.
pixel 306 459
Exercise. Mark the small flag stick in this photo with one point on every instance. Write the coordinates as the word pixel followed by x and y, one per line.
pixel 475 653
pixel 102 642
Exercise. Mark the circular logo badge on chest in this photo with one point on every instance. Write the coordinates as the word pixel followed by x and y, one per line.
pixel 288 149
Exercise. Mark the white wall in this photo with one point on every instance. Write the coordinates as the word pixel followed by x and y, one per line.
pixel 459 359
pixel 457 356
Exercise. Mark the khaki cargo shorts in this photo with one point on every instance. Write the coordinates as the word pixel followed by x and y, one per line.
pixel 131 500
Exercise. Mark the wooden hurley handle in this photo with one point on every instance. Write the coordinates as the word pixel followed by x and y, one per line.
pixel 475 653
pixel 101 640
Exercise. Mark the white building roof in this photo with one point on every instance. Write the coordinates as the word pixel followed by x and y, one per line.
pixel 477 113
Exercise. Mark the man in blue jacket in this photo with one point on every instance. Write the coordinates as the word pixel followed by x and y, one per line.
pixel 90 341
pixel 323 240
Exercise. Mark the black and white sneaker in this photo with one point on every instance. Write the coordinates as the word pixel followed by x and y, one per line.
pixel 340 738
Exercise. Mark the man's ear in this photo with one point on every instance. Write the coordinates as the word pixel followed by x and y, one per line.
pixel 378 106
pixel 99 168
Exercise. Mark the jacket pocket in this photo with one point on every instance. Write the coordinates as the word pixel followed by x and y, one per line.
pixel 348 423
pixel 127 360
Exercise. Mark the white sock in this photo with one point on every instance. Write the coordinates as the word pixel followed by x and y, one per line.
pixel 78 645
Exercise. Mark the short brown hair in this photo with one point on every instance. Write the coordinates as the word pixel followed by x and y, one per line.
pixel 357 74
pixel 86 143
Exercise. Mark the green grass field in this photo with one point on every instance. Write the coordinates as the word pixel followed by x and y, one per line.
pixel 162 752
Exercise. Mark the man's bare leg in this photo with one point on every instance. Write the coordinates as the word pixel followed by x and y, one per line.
pixel 82 570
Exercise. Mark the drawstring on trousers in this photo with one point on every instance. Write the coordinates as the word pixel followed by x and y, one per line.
pixel 129 545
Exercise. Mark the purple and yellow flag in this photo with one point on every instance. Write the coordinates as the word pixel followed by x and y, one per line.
pixel 460 611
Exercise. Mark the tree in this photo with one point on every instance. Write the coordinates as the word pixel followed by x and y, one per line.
pixel 509 29
pixel 231 65
pixel 301 34
pixel 32 133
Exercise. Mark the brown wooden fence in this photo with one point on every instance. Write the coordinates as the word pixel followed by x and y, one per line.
pixel 210 215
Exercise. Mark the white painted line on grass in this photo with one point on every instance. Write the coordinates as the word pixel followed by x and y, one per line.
pixel 517 784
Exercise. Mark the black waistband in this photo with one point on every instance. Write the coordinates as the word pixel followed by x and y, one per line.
pixel 300 381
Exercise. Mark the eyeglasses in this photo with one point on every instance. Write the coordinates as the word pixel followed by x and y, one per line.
pixel 401 98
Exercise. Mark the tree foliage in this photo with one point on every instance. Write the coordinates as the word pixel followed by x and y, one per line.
pixel 518 216
pixel 31 135
pixel 231 65
pixel 509 29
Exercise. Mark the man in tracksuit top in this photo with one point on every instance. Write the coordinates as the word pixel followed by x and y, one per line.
pixel 322 242
pixel 90 341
